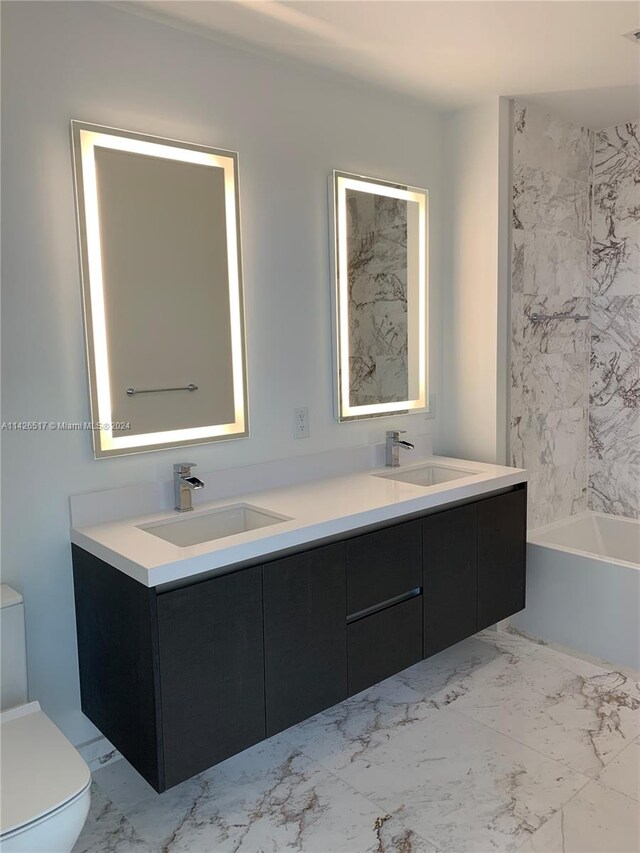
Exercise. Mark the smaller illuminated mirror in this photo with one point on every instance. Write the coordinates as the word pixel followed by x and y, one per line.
pixel 159 234
pixel 380 297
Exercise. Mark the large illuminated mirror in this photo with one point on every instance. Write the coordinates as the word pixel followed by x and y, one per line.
pixel 381 298
pixel 159 233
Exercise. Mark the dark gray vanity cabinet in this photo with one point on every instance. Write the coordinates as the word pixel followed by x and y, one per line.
pixel 450 591
pixel 175 680
pixel 502 542
pixel 474 567
pixel 384 610
pixel 305 635
pixel 211 672
pixel 117 658
pixel 181 677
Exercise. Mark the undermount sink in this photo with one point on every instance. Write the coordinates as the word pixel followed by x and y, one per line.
pixel 215 524
pixel 428 475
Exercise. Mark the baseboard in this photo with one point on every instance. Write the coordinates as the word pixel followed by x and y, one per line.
pixel 98 753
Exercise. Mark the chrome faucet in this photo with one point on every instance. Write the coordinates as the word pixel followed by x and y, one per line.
pixel 183 485
pixel 393 445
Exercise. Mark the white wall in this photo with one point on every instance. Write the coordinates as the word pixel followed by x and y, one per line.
pixel 92 62
pixel 473 422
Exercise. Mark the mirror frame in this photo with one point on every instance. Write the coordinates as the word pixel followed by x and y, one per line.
pixel 85 138
pixel 339 182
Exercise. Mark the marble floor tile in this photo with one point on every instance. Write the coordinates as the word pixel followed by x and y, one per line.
pixel 571 710
pixel 347 732
pixel 493 744
pixel 462 784
pixel 623 773
pixel 596 820
pixel 269 798
pixel 107 830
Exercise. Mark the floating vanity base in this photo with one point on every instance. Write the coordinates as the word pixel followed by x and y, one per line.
pixel 179 679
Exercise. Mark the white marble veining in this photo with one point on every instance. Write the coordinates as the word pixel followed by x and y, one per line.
pixel 616 222
pixel 597 819
pixel 623 773
pixel 551 143
pixel 314 511
pixel 499 743
pixel 546 201
pixel 538 324
pixel 561 706
pixel 550 265
pixel 614 415
pixel 551 382
pixel 378 298
pixel 614 433
pixel 550 279
pixel 616 323
pixel 554 445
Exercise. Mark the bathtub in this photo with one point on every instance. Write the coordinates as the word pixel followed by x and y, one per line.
pixel 583 586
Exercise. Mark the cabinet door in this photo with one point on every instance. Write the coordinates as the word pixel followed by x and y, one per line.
pixel 305 635
pixel 211 671
pixel 450 592
pixel 502 533
pixel 384 643
pixel 383 565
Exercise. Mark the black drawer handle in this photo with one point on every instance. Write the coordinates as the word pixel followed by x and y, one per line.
pixel 383 605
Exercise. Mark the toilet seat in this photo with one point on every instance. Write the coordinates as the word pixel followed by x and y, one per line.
pixel 42 773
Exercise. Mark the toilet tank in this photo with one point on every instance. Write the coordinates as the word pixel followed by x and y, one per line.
pixel 13 649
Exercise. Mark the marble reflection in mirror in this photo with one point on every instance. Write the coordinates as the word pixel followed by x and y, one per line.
pixel 380 232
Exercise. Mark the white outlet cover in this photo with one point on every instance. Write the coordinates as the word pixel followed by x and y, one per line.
pixel 301 422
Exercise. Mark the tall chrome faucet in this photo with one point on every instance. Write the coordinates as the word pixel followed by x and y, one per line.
pixel 393 445
pixel 183 485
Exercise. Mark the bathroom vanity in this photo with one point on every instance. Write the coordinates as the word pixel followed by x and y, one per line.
pixel 250 633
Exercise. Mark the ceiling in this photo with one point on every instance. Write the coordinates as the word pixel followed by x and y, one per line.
pixel 568 55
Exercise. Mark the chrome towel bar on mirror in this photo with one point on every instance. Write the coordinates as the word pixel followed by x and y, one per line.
pixel 131 391
pixel 567 315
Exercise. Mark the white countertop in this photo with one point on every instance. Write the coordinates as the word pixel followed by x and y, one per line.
pixel 317 510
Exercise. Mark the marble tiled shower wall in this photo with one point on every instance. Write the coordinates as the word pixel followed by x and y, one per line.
pixel 552 163
pixel 614 414
pixel 575 383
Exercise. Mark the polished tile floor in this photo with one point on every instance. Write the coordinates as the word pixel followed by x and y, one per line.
pixel 498 744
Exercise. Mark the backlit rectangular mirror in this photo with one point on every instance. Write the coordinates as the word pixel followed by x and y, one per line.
pixel 380 297
pixel 159 234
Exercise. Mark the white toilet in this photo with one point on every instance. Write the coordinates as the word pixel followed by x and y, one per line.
pixel 44 794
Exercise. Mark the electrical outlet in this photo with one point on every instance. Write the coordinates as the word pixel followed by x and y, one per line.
pixel 301 422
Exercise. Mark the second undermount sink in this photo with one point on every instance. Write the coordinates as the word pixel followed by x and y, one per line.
pixel 428 475
pixel 216 524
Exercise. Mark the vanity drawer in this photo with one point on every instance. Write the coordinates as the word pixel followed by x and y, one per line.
pixel 384 643
pixel 383 565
